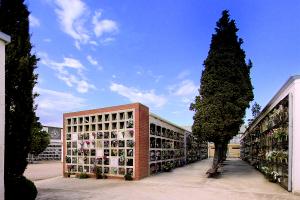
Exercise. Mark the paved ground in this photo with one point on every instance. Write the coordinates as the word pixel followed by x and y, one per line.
pixel 239 181
pixel 43 170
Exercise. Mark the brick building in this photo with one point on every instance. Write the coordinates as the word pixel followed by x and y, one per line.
pixel 125 139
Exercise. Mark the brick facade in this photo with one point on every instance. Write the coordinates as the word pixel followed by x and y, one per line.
pixel 142 142
pixel 83 151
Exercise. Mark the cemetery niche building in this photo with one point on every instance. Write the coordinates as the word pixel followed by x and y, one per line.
pixel 272 141
pixel 125 139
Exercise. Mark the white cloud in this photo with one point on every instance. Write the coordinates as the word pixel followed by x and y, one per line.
pixel 114 76
pixel 92 60
pixel 94 43
pixel 72 16
pixel 135 95
pixel 154 76
pixel 103 26
pixel 52 104
pixel 75 19
pixel 184 88
pixel 47 40
pixel 69 62
pixel 70 71
pixel 183 74
pixel 107 40
pixel 33 21
pixel 58 101
pixel 77 45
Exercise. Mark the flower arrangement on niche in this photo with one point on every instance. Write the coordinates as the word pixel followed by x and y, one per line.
pixel 130 143
pixel 99 135
pixel 131 132
pixel 129 123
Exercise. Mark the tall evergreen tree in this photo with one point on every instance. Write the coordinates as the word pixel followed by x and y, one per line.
pixel 225 90
pixel 19 98
pixel 255 109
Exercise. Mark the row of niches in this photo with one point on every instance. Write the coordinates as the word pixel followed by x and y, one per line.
pixel 101 118
pixel 103 126
pixel 278 117
pixel 100 152
pixel 100 135
pixel 271 143
pixel 105 170
pixel 161 166
pixel 165 143
pixel 164 132
pixel 81 145
pixel 105 160
pixel 165 155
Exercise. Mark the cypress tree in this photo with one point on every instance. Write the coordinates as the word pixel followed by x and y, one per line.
pixel 225 90
pixel 19 98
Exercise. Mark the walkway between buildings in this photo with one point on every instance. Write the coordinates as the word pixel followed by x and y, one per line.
pixel 239 181
pixel 43 170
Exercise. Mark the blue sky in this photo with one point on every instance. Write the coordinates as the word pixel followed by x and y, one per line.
pixel 102 53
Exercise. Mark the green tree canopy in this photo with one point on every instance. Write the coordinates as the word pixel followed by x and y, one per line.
pixel 226 89
pixel 40 139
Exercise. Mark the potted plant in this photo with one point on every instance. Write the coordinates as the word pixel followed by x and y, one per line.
pixel 128 177
pixel 104 176
pixel 98 173
pixel 167 167
pixel 68 159
pixel 83 175
pixel 274 176
pixel 69 167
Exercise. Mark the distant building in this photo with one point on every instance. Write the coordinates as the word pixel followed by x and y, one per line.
pixel 54 150
pixel 233 146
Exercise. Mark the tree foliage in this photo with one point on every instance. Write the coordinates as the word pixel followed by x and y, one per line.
pixel 226 88
pixel 19 98
pixel 255 110
pixel 40 139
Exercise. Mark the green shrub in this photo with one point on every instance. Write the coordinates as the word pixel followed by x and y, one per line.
pixel 83 175
pixel 99 176
pixel 98 173
pixel 128 177
pixel 104 176
pixel 20 187
pixel 168 167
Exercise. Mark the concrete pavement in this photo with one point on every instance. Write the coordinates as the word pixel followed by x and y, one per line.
pixel 239 181
pixel 43 170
